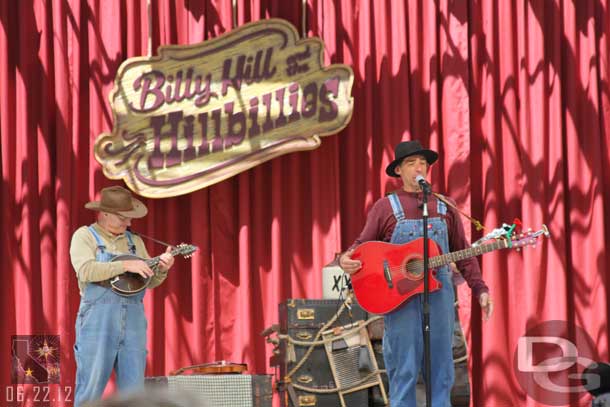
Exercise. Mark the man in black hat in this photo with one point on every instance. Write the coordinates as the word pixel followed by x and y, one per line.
pixel 396 218
pixel 110 328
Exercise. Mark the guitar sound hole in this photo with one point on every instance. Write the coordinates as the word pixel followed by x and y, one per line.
pixel 414 270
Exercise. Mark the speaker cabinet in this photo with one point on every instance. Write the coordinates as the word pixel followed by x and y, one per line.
pixel 235 390
pixel 302 319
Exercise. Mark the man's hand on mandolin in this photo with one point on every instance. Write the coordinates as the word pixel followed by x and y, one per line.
pixel 166 260
pixel 137 266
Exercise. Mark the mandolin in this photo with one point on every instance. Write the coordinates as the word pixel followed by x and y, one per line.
pixel 128 284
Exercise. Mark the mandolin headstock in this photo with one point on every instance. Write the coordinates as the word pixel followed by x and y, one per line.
pixel 185 250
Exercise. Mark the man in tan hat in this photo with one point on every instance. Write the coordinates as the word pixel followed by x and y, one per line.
pixel 111 328
pixel 397 218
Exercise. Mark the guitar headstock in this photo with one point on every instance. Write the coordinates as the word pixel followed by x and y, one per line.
pixel 503 232
pixel 528 238
pixel 185 250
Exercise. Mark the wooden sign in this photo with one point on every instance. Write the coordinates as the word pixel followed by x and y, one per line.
pixel 198 114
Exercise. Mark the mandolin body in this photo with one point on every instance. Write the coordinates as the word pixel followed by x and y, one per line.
pixel 128 284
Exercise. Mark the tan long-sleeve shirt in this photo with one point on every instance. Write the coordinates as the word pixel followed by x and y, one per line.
pixel 84 247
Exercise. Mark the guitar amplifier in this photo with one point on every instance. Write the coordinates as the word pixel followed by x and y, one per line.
pixel 302 319
pixel 220 390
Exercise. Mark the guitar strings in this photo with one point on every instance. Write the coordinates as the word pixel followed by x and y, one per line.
pixel 415 267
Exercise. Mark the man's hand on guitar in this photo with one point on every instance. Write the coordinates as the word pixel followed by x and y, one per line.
pixel 487 305
pixel 137 266
pixel 347 264
pixel 166 260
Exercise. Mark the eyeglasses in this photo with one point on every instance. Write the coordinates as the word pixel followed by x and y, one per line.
pixel 121 217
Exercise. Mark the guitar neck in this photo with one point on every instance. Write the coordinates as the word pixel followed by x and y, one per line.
pixel 444 259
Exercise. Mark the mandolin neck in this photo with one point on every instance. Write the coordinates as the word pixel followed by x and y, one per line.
pixel 154 261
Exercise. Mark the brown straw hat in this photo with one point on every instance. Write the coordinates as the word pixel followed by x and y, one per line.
pixel 120 201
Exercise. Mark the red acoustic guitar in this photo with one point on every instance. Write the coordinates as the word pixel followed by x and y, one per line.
pixel 393 273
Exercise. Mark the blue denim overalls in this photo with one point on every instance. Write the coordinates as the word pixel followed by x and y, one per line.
pixel 403 344
pixel 110 333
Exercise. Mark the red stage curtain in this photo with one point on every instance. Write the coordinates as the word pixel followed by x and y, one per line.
pixel 514 95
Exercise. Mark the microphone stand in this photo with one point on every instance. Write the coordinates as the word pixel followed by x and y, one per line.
pixel 426 310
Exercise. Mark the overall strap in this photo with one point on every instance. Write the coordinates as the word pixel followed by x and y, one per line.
pixel 132 245
pixel 441 207
pixel 396 207
pixel 98 239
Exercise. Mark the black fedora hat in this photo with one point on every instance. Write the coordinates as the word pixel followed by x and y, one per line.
pixel 406 149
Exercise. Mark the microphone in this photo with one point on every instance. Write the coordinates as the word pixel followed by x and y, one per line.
pixel 423 184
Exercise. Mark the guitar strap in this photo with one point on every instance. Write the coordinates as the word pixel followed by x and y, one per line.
pixel 474 221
